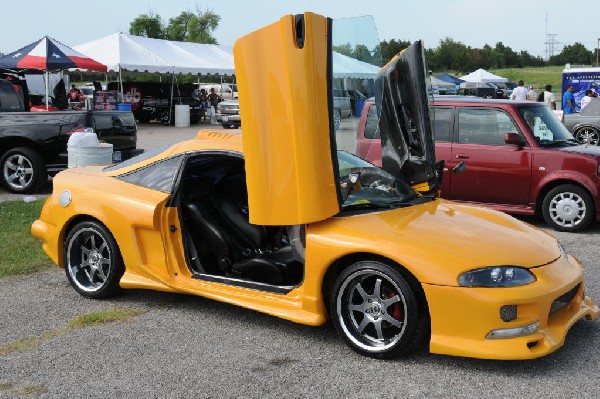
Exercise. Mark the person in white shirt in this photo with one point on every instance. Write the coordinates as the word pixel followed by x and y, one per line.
pixel 587 98
pixel 549 98
pixel 520 92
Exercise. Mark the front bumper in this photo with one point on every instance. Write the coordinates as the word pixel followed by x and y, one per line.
pixel 462 318
pixel 228 118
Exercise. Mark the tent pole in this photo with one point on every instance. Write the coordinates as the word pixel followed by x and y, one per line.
pixel 47 89
pixel 171 103
pixel 121 84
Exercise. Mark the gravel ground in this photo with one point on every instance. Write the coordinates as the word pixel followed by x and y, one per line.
pixel 186 346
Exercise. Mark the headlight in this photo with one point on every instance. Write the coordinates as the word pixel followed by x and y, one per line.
pixel 498 276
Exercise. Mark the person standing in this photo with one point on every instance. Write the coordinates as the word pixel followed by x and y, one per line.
pixel 532 95
pixel 549 98
pixel 568 101
pixel 520 92
pixel 589 94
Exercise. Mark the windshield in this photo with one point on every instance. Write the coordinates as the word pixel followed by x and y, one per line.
pixel 374 188
pixel 545 126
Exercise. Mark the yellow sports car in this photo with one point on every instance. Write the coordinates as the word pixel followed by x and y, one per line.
pixel 279 221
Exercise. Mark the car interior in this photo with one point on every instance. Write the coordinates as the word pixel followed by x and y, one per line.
pixel 218 238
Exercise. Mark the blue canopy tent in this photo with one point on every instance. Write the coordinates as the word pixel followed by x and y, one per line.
pixel 450 79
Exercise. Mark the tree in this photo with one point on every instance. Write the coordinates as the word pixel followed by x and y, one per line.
pixel 188 26
pixel 391 48
pixel 147 25
pixel 573 54
pixel 193 27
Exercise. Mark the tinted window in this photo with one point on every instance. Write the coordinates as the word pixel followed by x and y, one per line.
pixel 157 176
pixel 484 126
pixel 443 124
pixel 9 100
pixel 372 125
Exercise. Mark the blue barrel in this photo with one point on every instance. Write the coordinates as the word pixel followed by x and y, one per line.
pixel 124 107
pixel 359 106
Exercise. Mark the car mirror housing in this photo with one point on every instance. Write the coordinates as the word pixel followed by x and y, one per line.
pixel 514 139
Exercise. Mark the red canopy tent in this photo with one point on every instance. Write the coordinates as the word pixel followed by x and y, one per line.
pixel 48 55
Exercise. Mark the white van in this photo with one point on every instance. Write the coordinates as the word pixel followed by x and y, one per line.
pixel 226 91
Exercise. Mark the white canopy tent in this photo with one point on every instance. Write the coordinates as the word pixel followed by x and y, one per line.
pixel 121 51
pixel 481 75
pixel 348 67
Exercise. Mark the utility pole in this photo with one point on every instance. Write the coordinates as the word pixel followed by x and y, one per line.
pixel 551 43
pixel 597 51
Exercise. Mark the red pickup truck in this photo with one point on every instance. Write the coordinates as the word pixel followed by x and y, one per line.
pixel 519 159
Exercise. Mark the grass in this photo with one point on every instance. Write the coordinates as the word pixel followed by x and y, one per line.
pixel 20 252
pixel 538 77
pixel 113 315
pixel 104 316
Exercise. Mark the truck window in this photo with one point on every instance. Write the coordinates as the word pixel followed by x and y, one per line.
pixel 9 99
pixel 484 126
pixel 442 126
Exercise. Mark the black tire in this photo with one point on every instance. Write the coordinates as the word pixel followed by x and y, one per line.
pixel 588 135
pixel 165 118
pixel 226 125
pixel 568 208
pixel 370 320
pixel 92 260
pixel 337 119
pixel 23 170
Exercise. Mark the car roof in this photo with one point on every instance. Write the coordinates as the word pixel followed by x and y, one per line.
pixel 439 100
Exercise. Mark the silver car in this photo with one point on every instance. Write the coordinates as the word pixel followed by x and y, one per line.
pixel 585 125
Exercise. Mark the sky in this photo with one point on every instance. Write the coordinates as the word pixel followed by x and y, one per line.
pixel 519 24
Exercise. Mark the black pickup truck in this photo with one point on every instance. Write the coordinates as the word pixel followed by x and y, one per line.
pixel 33 145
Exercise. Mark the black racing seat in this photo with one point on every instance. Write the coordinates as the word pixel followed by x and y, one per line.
pixel 219 220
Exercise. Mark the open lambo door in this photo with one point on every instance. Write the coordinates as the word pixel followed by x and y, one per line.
pixel 284 76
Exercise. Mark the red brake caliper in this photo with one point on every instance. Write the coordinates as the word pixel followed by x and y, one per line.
pixel 396 309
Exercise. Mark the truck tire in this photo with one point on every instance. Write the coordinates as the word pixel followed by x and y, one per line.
pixel 23 170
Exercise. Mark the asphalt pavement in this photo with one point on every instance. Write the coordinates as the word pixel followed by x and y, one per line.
pixel 185 346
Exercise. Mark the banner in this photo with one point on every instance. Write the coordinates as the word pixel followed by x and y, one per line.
pixel 582 79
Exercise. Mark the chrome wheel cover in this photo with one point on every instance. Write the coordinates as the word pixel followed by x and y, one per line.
pixel 371 310
pixel 588 136
pixel 567 209
pixel 88 259
pixel 18 171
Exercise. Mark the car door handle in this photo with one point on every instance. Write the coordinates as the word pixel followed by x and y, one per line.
pixel 462 156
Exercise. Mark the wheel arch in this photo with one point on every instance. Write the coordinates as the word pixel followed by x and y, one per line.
pixel 68 226
pixel 8 143
pixel 338 266
pixel 555 183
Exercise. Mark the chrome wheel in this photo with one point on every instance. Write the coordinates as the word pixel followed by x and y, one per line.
pixel 568 208
pixel 379 309
pixel 23 170
pixel 18 172
pixel 93 263
pixel 588 135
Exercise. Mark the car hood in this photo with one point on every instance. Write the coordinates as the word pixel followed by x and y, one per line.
pixel 442 239
pixel 582 149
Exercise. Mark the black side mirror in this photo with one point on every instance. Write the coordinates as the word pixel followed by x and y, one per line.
pixel 459 168
pixel 514 139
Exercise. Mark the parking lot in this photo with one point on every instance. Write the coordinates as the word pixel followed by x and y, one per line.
pixel 186 346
